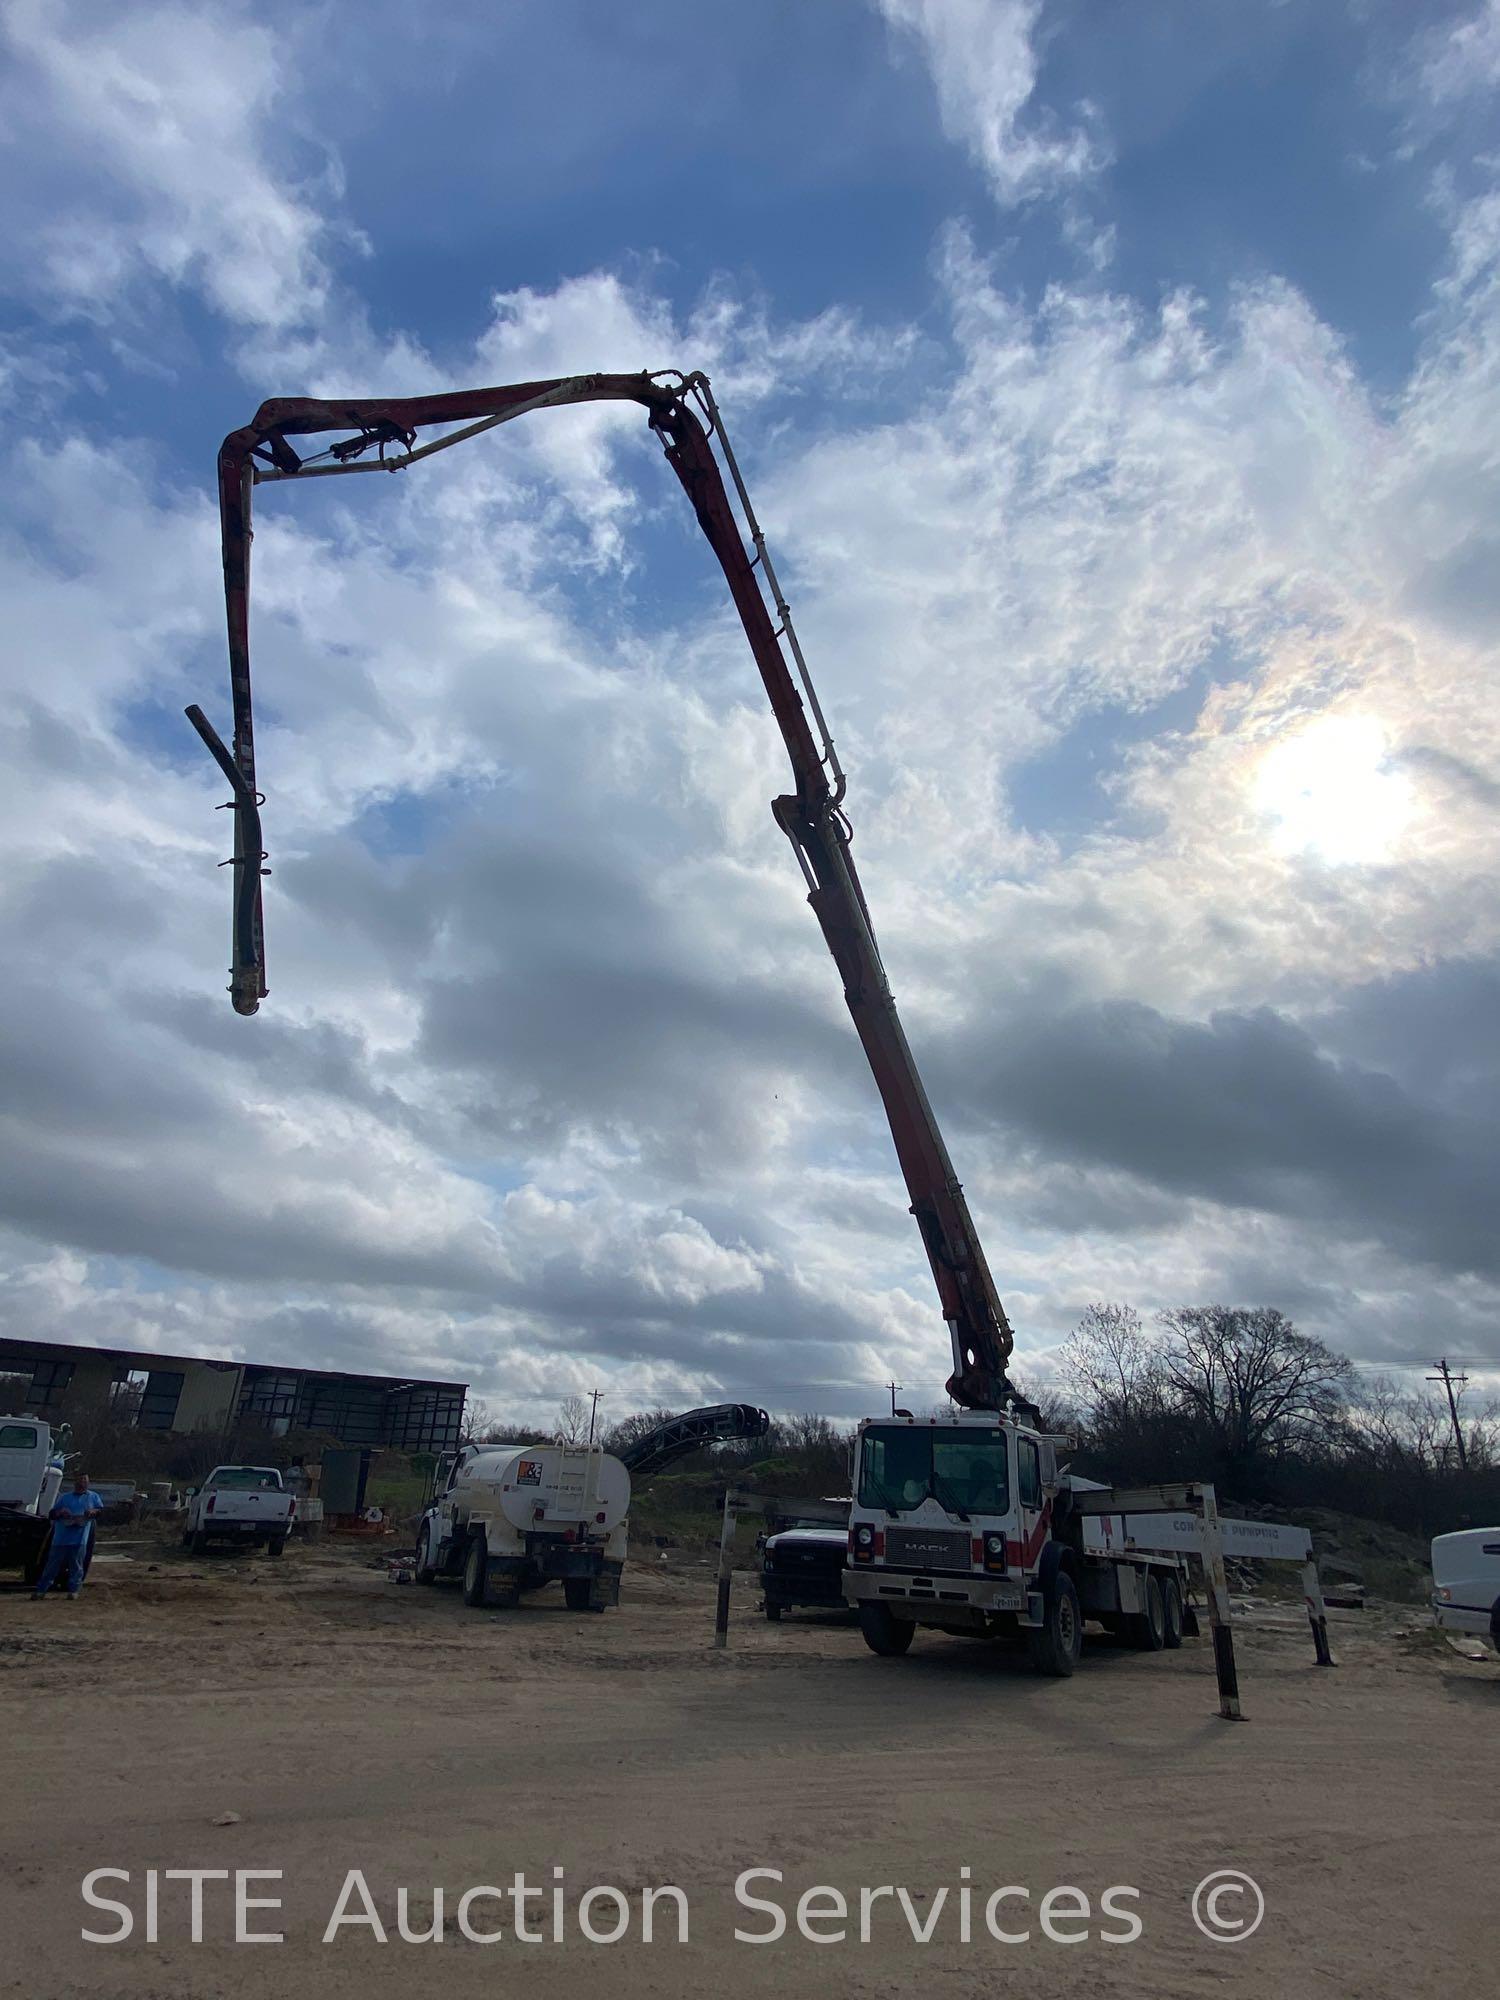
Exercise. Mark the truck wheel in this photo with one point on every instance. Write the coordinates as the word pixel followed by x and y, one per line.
pixel 1149 1627
pixel 276 1545
pixel 186 1538
pixel 476 1564
pixel 426 1568
pixel 578 1593
pixel 198 1542
pixel 1057 1643
pixel 1171 1605
pixel 883 1632
pixel 773 1612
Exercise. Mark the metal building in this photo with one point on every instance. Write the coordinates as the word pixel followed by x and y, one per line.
pixel 185 1393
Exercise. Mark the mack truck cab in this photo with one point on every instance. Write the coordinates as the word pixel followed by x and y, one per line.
pixel 965 1524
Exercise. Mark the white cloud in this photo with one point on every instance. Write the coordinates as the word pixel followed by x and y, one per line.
pixel 1114 506
pixel 1464 60
pixel 983 59
pixel 152 129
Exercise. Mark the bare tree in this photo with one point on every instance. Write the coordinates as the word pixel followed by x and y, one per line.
pixel 1253 1384
pixel 1112 1365
pixel 821 1449
pixel 572 1420
pixel 478 1416
pixel 1271 1412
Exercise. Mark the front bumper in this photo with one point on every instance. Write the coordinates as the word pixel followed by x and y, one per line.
pixel 791 1587
pixel 944 1593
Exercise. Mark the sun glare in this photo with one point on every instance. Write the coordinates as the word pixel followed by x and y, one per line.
pixel 1331 794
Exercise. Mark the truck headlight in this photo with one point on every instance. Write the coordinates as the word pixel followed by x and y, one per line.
pixel 864 1535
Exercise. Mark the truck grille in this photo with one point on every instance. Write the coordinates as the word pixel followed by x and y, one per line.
pixel 927 1548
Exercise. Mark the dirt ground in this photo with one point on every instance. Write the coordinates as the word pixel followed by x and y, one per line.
pixel 353 1723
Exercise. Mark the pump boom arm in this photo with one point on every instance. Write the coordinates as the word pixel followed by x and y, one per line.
pixel 380 434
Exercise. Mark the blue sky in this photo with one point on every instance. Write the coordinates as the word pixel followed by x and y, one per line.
pixel 1118 387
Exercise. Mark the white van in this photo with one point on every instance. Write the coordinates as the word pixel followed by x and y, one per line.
pixel 1466 1583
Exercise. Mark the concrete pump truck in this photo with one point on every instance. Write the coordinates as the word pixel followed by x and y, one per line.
pixel 966 1523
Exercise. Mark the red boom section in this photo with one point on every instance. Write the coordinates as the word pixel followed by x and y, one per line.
pixel 810 816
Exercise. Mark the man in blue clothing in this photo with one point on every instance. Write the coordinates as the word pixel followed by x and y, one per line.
pixel 72 1525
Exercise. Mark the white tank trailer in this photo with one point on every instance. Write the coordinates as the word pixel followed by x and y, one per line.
pixel 507 1518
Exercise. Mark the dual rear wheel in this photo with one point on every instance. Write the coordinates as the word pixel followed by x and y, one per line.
pixel 1158 1627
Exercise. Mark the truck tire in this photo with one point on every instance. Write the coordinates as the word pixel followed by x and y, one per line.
pixel 773 1613
pixel 198 1542
pixel 1057 1643
pixel 1148 1628
pixel 883 1632
pixel 578 1593
pixel 426 1571
pixel 476 1573
pixel 1171 1604
pixel 276 1545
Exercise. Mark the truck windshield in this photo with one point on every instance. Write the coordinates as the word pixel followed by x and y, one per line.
pixel 966 1469
pixel 247 1479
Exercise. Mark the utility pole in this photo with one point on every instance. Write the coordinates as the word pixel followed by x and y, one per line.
pixel 893 1387
pixel 593 1413
pixel 1449 1380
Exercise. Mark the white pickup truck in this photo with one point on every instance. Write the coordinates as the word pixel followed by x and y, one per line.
pixel 240 1503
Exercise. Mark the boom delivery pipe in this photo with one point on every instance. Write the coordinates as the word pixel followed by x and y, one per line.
pixel 380 434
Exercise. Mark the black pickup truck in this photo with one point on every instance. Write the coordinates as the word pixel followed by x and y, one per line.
pixel 804 1565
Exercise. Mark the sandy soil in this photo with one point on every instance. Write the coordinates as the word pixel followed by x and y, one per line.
pixel 351 1723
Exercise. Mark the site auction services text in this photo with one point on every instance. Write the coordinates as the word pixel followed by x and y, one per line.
pixel 244 1906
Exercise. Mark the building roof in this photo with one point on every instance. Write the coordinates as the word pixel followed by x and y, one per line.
pixel 142 1358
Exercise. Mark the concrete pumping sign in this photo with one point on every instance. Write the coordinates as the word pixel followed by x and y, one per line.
pixel 1185 1520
